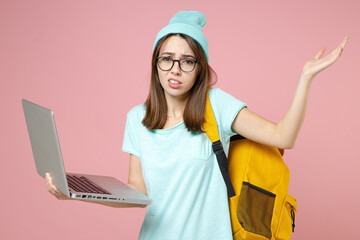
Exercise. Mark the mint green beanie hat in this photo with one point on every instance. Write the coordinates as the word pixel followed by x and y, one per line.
pixel 189 23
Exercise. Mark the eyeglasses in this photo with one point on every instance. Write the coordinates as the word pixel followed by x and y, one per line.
pixel 167 63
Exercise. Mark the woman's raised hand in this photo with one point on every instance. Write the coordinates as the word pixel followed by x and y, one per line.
pixel 53 190
pixel 317 64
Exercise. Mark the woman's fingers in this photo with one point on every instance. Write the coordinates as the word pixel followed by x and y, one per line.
pixel 336 51
pixel 50 186
pixel 53 189
pixel 341 47
pixel 344 41
pixel 320 53
pixel 48 182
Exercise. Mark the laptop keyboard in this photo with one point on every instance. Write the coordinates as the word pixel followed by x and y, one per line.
pixel 83 184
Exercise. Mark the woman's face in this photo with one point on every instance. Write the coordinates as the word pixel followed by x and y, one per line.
pixel 175 82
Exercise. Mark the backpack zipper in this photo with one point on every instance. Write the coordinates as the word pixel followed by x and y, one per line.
pixel 293 218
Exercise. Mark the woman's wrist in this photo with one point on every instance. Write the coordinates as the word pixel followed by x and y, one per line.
pixel 306 79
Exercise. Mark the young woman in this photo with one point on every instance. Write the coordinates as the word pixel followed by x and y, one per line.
pixel 171 159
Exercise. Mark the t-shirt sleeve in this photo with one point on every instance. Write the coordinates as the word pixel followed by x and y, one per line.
pixel 226 108
pixel 131 134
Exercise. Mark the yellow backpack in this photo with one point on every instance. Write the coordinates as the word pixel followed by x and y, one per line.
pixel 257 180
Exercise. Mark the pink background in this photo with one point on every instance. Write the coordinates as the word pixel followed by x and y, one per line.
pixel 89 61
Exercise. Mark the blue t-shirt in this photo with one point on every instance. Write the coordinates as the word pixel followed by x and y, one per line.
pixel 182 175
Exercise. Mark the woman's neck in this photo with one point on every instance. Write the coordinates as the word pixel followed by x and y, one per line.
pixel 175 110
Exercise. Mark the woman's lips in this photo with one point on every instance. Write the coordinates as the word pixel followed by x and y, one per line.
pixel 173 83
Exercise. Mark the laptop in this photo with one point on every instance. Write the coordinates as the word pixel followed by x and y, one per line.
pixel 48 159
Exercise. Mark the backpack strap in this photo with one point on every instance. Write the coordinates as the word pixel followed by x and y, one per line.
pixel 211 130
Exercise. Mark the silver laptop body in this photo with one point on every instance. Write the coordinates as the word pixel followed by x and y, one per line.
pixel 48 159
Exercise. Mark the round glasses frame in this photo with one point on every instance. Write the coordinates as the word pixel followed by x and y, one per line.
pixel 179 62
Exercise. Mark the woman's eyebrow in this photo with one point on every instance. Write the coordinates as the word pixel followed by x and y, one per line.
pixel 182 56
pixel 168 53
pixel 185 55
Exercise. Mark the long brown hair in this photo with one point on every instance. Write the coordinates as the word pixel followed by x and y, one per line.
pixel 156 107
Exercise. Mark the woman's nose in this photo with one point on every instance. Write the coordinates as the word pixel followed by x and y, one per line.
pixel 176 68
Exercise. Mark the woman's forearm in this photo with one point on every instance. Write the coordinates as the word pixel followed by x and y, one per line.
pixel 290 125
